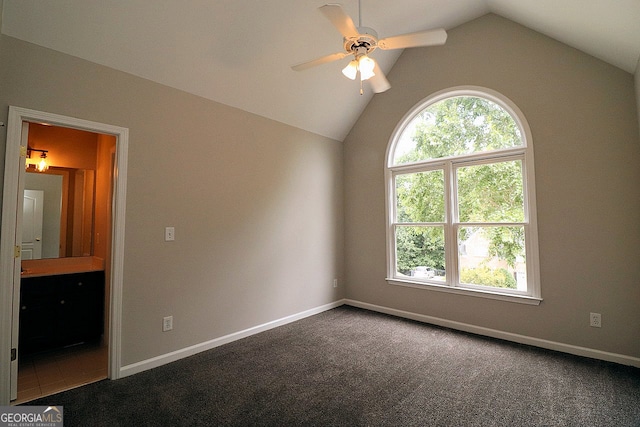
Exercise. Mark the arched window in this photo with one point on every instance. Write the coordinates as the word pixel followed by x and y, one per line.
pixel 461 198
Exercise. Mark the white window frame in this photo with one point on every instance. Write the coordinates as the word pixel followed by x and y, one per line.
pixel 449 164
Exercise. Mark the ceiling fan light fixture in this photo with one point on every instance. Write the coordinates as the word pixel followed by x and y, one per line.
pixel 351 70
pixel 366 66
pixel 361 41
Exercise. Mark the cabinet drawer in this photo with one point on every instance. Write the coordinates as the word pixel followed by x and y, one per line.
pixel 38 287
pixel 81 282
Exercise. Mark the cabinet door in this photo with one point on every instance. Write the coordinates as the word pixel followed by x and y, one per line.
pixel 81 317
pixel 38 314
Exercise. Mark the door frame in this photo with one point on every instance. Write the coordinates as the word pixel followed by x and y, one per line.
pixel 10 264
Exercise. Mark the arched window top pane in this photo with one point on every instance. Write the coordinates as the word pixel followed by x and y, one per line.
pixel 456 126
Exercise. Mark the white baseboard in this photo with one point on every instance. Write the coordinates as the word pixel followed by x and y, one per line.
pixel 154 362
pixel 508 336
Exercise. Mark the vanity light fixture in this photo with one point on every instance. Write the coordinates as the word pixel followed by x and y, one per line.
pixel 40 166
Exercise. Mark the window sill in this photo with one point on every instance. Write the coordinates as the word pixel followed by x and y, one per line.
pixel 521 299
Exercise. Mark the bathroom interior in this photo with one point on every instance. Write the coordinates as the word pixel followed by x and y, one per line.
pixel 65 260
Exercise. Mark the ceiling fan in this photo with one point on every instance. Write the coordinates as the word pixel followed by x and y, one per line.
pixel 361 41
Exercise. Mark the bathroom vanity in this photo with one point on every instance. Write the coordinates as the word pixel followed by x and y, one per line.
pixel 61 303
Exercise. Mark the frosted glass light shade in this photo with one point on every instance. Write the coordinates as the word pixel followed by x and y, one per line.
pixel 351 70
pixel 366 66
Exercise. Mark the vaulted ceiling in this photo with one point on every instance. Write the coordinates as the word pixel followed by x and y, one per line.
pixel 239 52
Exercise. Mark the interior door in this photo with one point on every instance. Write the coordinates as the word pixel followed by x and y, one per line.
pixel 32 217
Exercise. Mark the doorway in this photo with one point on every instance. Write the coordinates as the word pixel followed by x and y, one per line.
pixel 66 220
pixel 105 237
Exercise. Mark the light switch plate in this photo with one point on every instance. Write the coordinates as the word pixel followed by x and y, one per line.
pixel 169 234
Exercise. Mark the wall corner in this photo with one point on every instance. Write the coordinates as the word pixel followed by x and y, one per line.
pixel 637 85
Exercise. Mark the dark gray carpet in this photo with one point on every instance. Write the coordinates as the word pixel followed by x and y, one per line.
pixel 352 367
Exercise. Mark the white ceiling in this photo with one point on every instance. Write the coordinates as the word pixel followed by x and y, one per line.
pixel 239 52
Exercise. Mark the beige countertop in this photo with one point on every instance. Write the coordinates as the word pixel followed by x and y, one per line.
pixel 55 266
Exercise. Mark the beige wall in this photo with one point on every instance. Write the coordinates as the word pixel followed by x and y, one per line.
pixel 582 115
pixel 256 205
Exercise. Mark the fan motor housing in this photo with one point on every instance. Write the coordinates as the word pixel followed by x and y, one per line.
pixel 367 38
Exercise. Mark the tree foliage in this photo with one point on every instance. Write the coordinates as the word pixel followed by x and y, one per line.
pixel 498 278
pixel 458 126
pixel 419 246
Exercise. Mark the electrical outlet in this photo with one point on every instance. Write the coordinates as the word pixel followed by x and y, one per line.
pixel 335 283
pixel 167 323
pixel 595 320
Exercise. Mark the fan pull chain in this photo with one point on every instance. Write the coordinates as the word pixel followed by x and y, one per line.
pixel 361 90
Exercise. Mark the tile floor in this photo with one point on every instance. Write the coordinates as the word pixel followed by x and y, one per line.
pixel 48 373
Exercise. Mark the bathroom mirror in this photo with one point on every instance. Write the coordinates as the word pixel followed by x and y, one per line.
pixel 58 219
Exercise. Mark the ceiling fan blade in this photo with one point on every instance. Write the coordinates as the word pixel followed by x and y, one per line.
pixel 340 19
pixel 323 60
pixel 421 38
pixel 379 82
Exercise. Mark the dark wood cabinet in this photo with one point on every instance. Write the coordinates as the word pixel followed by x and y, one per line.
pixel 61 310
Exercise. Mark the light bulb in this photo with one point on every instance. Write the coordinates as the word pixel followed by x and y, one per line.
pixel 366 66
pixel 351 70
pixel 42 165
